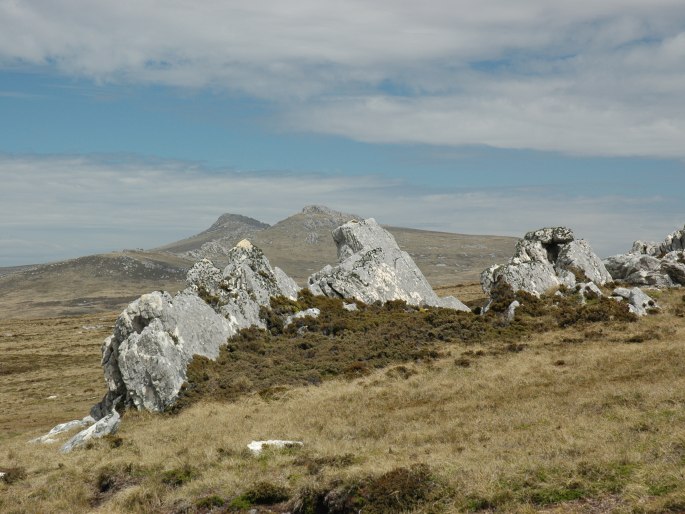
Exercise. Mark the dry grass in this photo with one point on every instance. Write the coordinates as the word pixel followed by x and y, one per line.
pixel 572 420
pixel 49 370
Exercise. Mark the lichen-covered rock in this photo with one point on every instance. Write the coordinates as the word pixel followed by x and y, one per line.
pixel 638 301
pixel 551 235
pixel 156 336
pixel 373 268
pixel 105 426
pixel 637 269
pixel 545 259
pixel 651 264
pixel 673 265
pixel 577 257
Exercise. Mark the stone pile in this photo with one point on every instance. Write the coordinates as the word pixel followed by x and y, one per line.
pixel 372 267
pixel 652 264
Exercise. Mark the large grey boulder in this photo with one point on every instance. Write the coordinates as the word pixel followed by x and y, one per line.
pixel 546 259
pixel 652 264
pixel 156 336
pixel 577 256
pixel 372 268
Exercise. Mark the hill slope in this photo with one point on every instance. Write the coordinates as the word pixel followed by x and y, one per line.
pixel 300 245
pixel 89 284
pixel 225 232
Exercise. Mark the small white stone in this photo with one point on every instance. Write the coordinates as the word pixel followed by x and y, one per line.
pixel 256 447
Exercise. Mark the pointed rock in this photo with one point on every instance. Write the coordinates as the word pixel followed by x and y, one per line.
pixel 373 268
pixel 156 336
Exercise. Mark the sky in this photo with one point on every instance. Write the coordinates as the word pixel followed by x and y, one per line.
pixel 134 123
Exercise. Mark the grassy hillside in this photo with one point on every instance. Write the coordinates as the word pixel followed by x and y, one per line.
pixel 96 283
pixel 552 413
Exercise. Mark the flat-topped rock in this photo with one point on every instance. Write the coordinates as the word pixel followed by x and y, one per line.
pixel 545 259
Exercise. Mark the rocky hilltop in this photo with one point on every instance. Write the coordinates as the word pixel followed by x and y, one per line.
pixel 215 242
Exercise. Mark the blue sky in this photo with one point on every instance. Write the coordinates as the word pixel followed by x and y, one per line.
pixel 131 124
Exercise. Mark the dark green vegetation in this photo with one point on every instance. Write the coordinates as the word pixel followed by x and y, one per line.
pixel 353 343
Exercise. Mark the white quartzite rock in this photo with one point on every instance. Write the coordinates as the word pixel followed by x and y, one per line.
pixel 373 268
pixel 61 428
pixel 156 336
pixel 545 259
pixel 105 426
pixel 638 301
pixel 256 447
pixel 312 313
pixel 154 339
pixel 652 264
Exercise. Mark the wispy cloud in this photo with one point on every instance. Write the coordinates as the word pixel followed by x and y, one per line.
pixel 59 206
pixel 583 77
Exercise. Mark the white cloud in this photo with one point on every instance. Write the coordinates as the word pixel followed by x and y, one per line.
pixel 57 207
pixel 600 78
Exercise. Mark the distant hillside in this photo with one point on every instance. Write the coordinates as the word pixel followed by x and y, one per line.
pixel 90 284
pixel 300 244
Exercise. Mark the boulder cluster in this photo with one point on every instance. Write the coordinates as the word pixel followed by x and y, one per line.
pixel 652 264
pixel 546 259
pixel 156 336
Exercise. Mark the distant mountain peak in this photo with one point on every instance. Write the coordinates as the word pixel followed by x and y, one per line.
pixel 230 220
pixel 326 211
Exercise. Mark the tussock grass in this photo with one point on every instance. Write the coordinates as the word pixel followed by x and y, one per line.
pixel 566 419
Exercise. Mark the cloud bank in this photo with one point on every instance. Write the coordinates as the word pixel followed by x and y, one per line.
pixel 583 77
pixel 58 207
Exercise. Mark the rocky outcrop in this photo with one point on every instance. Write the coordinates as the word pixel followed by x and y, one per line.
pixel 545 259
pixel 61 428
pixel 105 426
pixel 638 301
pixel 156 336
pixel 652 264
pixel 371 267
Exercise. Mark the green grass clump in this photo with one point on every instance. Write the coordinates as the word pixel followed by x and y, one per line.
pixel 179 476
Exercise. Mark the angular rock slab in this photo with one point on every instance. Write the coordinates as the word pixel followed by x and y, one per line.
pixel 145 360
pixel 61 428
pixel 373 268
pixel 545 259
pixel 638 301
pixel 156 336
pixel 105 426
